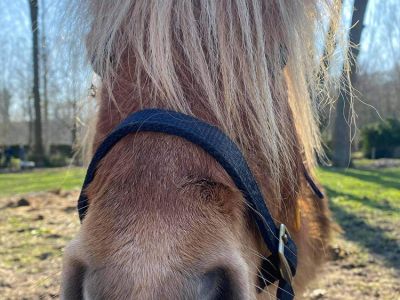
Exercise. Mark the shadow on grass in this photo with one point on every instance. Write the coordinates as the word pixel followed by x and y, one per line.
pixel 382 205
pixel 373 176
pixel 372 238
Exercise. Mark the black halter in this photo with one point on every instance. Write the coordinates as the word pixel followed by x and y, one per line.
pixel 281 265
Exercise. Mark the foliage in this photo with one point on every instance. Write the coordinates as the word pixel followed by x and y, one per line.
pixel 381 139
pixel 15 164
pixel 58 160
pixel 61 149
pixel 15 150
pixel 60 155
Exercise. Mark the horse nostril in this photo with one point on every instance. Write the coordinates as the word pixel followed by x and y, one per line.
pixel 216 284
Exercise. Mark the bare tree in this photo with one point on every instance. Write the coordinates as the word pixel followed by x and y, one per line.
pixel 379 79
pixel 38 148
pixel 5 101
pixel 44 72
pixel 342 125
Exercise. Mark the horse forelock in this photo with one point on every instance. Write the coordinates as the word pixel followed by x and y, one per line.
pixel 221 61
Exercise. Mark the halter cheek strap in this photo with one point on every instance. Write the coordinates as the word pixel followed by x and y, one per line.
pixel 281 265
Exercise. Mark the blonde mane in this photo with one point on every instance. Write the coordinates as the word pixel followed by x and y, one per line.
pixel 230 55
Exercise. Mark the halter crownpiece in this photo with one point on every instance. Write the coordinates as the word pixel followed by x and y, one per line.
pixel 281 264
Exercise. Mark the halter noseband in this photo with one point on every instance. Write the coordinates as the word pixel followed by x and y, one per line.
pixel 281 264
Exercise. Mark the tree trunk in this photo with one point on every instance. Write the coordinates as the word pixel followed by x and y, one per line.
pixel 38 148
pixel 30 122
pixel 342 126
pixel 74 128
pixel 44 55
pixel 5 102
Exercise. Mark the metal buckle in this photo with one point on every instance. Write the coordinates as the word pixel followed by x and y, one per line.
pixel 284 266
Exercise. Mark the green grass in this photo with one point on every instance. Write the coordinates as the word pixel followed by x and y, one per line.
pixel 366 204
pixel 364 190
pixel 40 180
pixel 355 190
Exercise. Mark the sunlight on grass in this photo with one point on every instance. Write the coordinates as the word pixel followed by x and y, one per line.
pixel 40 180
pixel 366 205
pixel 374 189
pixel 354 189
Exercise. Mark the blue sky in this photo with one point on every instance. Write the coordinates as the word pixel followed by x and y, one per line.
pixel 380 43
pixel 380 48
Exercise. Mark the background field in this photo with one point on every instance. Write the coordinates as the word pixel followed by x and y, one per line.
pixel 40 180
pixel 50 93
pixel 365 252
pixel 365 203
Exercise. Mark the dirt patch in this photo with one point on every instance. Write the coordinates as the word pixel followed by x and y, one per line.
pixel 356 275
pixel 365 259
pixel 33 236
pixel 34 230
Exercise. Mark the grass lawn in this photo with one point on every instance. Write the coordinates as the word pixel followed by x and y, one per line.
pixel 40 180
pixel 365 203
pixel 363 191
pixel 352 190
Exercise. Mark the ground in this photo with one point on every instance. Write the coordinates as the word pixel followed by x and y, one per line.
pixel 365 251
pixel 40 180
pixel 365 263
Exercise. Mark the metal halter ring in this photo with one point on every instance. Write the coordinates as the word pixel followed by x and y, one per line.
pixel 284 267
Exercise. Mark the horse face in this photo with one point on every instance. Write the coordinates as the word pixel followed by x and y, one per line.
pixel 174 227
pixel 164 219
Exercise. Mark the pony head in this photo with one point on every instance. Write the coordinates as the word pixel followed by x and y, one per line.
pixel 165 220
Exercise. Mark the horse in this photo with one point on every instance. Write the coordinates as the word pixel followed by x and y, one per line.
pixel 166 221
